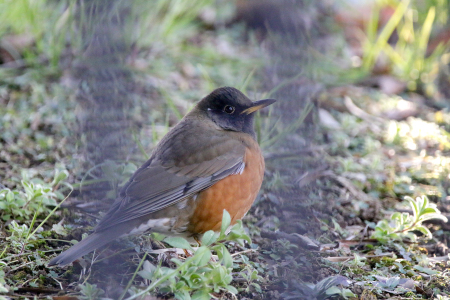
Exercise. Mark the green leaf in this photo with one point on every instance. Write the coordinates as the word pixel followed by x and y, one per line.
pixel 218 275
pixel 347 293
pixel 237 233
pixel 423 200
pixel 182 295
pixel 232 289
pixel 180 285
pixel 202 256
pixel 413 205
pixel 157 236
pixel 10 196
pixel 209 238
pixel 59 229
pixel 396 216
pixel 433 216
pixel 201 295
pixel 333 290
pixel 226 221
pixel 195 281
pixel 145 274
pixel 254 275
pixel 424 230
pixel 257 287
pixel 426 270
pixel 227 279
pixel 429 210
pixel 178 242
pixel 60 176
pixel 226 258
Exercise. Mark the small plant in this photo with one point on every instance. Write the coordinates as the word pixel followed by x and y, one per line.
pixel 169 21
pixel 281 248
pixel 402 225
pixel 18 237
pixel 327 287
pixel 200 275
pixel 3 287
pixel 408 57
pixel 25 206
pixel 91 292
pixel 36 197
pixel 251 276
pixel 45 22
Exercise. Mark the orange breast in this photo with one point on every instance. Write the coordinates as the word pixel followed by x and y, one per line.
pixel 235 193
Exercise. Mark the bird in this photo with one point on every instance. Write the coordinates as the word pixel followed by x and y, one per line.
pixel 207 163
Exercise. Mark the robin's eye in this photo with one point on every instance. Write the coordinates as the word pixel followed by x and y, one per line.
pixel 228 109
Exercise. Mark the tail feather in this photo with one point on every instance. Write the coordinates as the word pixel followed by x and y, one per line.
pixel 85 246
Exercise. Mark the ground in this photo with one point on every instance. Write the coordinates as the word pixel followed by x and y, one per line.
pixel 355 199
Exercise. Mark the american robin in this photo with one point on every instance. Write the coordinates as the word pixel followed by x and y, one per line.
pixel 210 161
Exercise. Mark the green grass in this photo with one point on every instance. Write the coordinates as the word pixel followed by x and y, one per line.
pixel 408 56
pixel 48 28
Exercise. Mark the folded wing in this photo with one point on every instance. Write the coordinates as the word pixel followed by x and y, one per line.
pixel 183 164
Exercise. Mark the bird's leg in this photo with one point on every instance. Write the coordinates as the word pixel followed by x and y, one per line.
pixel 197 240
pixel 187 253
pixel 199 244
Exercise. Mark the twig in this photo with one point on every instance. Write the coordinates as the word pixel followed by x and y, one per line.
pixel 242 252
pixel 374 122
pixel 60 284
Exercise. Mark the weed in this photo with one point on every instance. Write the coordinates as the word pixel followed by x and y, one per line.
pixel 321 290
pixel 45 22
pixel 3 287
pixel 18 236
pixel 91 292
pixel 35 197
pixel 402 225
pixel 200 275
pixel 252 278
pixel 281 248
pixel 166 22
pixel 408 57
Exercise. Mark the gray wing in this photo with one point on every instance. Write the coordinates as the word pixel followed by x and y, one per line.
pixel 182 165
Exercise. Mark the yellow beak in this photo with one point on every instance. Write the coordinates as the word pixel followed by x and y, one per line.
pixel 257 105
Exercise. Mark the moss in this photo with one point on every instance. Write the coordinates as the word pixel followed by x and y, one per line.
pixel 410 295
pixel 46 234
pixel 42 280
pixel 38 243
pixel 358 271
pixel 19 276
pixel 369 247
pixel 388 261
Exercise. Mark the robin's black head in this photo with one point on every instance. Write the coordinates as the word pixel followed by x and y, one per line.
pixel 231 109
